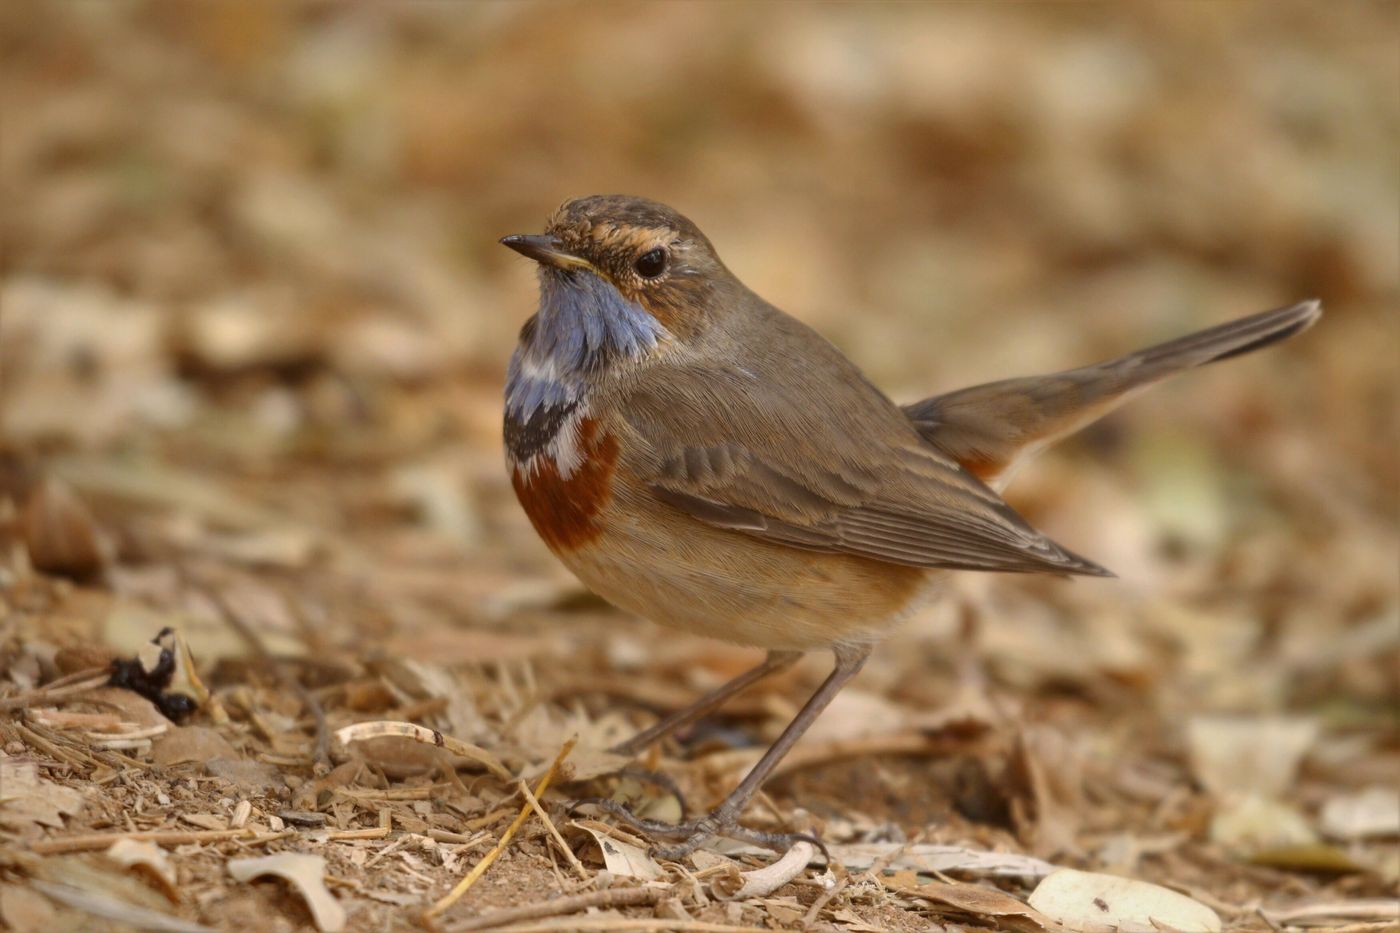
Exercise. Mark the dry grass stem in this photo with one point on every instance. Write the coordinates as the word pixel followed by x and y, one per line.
pixel 480 868
pixel 574 863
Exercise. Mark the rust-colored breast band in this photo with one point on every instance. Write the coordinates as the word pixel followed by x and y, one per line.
pixel 565 510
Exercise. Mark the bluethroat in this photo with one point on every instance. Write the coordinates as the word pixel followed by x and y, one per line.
pixel 700 458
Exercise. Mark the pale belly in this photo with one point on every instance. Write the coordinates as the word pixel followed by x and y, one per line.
pixel 727 585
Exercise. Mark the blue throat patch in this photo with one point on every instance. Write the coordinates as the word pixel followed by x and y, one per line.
pixel 583 325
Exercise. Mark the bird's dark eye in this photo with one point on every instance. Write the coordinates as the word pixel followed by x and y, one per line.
pixel 651 263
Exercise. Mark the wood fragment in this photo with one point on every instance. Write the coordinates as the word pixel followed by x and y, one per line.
pixel 345 835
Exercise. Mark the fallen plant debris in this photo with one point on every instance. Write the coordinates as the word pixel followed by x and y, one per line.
pixel 253 334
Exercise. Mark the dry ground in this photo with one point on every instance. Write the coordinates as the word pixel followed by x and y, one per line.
pixel 253 334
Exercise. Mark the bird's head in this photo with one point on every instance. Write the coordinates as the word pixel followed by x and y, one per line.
pixel 615 255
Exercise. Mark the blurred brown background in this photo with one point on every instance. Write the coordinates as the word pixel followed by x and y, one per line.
pixel 254 313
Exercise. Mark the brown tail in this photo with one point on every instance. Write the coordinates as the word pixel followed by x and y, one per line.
pixel 990 428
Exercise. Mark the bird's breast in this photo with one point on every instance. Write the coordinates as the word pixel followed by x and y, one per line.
pixel 565 481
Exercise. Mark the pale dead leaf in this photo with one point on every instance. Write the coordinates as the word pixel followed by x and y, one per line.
pixel 101 904
pixel 1091 902
pixel 1248 755
pixel 923 858
pixel 1253 823
pixel 26 911
pixel 307 873
pixel 624 859
pixel 975 900
pixel 1046 770
pixel 857 714
pixel 191 743
pixel 1368 814
pixel 148 859
pixel 27 799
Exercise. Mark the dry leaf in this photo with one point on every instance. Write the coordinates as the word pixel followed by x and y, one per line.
pixel 1248 755
pixel 624 859
pixel 1253 823
pixel 102 904
pixel 1368 814
pixel 856 714
pixel 975 900
pixel 924 858
pixel 27 799
pixel 1090 902
pixel 60 532
pixel 26 911
pixel 191 743
pixel 307 873
pixel 1047 774
pixel 148 859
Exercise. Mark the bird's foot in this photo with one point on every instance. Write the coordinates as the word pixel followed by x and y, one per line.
pixel 655 779
pixel 692 834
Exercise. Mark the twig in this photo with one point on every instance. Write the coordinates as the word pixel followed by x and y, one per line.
pixel 553 831
pixel 92 841
pixel 32 735
pixel 608 898
pixel 451 838
pixel 64 688
pixel 345 835
pixel 480 868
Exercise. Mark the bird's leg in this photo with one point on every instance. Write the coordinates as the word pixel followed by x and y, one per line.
pixel 723 820
pixel 776 661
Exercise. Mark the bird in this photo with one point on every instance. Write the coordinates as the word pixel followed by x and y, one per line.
pixel 702 459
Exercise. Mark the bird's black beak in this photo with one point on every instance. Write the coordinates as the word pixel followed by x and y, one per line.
pixel 545 250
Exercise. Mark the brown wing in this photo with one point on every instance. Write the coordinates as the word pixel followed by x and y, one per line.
pixel 989 428
pixel 823 462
